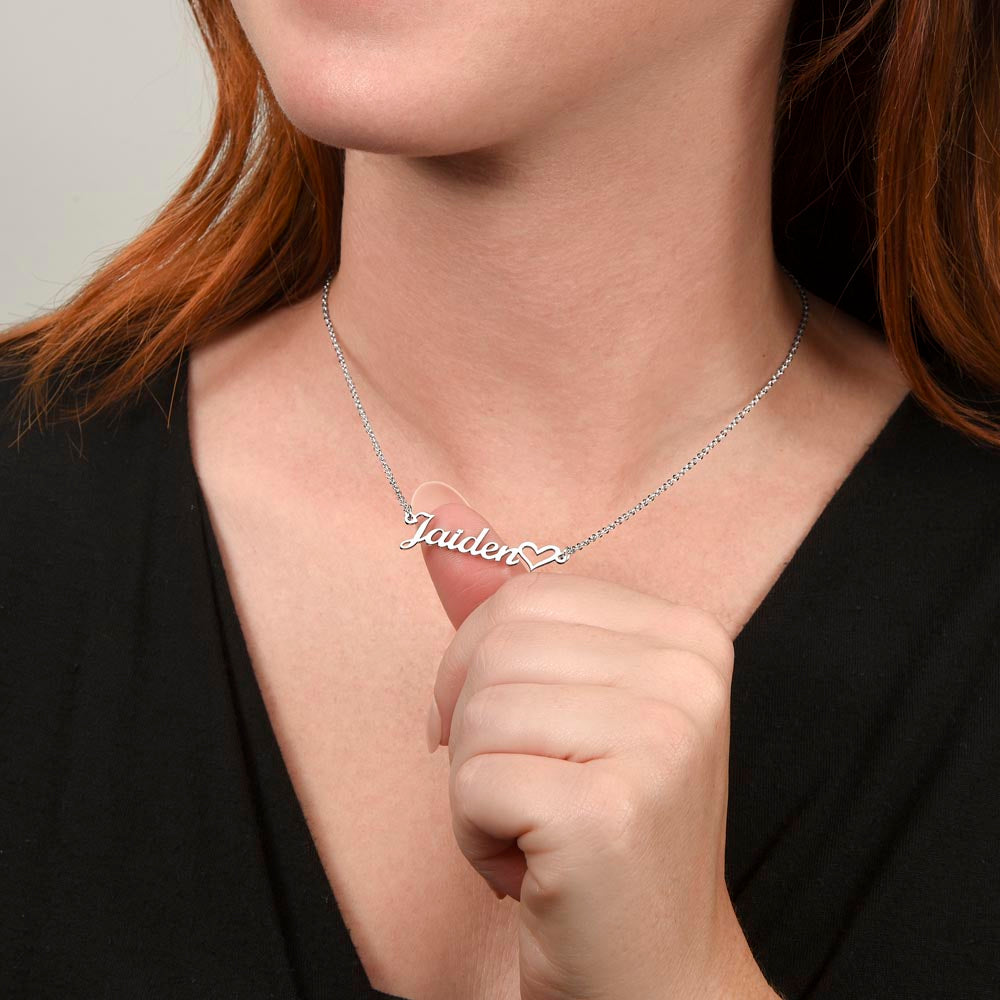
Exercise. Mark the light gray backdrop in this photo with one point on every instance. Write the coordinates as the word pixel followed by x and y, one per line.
pixel 104 106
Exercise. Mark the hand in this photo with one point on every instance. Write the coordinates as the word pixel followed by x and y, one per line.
pixel 587 728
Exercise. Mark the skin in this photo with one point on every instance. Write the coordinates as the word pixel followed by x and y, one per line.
pixel 557 275
pixel 587 727
pixel 529 187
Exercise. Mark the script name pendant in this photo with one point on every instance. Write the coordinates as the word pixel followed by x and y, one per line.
pixel 533 556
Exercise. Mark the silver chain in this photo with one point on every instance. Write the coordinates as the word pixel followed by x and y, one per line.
pixel 565 553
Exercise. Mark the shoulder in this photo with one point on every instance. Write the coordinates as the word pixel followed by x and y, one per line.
pixel 37 453
pixel 926 540
pixel 100 538
pixel 949 471
pixel 71 493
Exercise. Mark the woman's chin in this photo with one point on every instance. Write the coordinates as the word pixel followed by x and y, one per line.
pixel 352 109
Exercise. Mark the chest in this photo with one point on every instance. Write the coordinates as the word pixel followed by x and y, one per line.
pixel 345 640
pixel 346 667
pixel 345 634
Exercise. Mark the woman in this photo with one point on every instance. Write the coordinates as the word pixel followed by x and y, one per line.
pixel 743 746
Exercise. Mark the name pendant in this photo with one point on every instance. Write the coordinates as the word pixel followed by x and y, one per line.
pixel 533 556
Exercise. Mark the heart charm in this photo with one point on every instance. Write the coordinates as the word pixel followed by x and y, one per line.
pixel 538 550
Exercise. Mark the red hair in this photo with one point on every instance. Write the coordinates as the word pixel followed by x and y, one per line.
pixel 887 189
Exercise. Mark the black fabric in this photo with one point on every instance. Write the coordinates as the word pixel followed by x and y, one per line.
pixel 151 844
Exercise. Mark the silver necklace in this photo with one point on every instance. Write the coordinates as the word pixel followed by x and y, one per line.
pixel 531 555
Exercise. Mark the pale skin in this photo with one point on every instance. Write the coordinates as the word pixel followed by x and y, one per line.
pixel 557 284
pixel 588 734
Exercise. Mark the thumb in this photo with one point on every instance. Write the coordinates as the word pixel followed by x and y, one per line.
pixel 462 582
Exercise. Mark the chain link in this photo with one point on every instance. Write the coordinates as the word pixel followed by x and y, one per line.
pixel 403 502
pixel 565 553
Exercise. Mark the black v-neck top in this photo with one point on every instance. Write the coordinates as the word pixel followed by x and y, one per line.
pixel 151 844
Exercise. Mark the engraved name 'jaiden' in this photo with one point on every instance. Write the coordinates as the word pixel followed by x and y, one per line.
pixel 476 545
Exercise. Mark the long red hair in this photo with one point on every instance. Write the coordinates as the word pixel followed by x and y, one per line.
pixel 887 194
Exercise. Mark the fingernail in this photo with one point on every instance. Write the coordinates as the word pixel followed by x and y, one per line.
pixel 431 495
pixel 433 727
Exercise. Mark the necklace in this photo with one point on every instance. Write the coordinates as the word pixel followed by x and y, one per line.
pixel 531 555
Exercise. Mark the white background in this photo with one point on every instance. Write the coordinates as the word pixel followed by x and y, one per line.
pixel 104 108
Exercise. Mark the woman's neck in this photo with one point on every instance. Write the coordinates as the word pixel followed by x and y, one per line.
pixel 606 289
